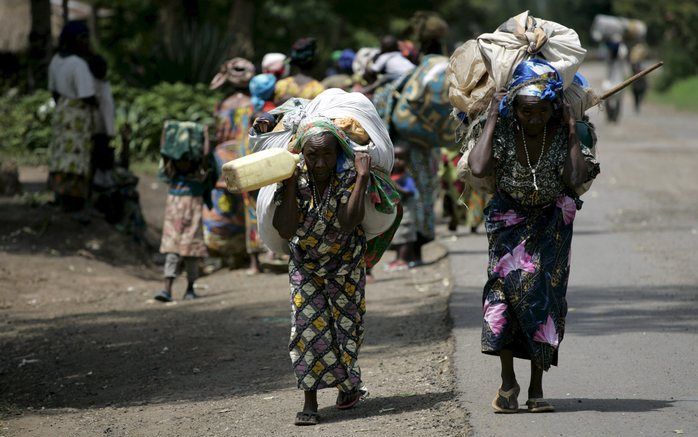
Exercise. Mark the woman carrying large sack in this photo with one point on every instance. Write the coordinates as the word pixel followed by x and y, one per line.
pixel 530 146
pixel 319 212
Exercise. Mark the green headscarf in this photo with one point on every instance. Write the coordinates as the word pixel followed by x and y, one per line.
pixel 381 190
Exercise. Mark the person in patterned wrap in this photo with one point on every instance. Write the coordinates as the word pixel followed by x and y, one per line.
pixel 319 210
pixel 530 146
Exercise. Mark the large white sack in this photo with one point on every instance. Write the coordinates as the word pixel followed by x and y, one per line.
pixel 523 37
pixel 265 221
pixel 335 103
pixel 374 222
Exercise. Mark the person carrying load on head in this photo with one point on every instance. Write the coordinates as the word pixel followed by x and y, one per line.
pixel 230 229
pixel 529 145
pixel 319 211
pixel 301 84
pixel 184 152
pixel 335 212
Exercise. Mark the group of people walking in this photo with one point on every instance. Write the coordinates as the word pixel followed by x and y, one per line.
pixel 529 146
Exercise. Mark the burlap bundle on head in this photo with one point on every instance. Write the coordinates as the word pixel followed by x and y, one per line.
pixel 523 37
pixel 471 88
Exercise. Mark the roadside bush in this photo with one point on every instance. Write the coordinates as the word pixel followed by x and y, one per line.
pixel 25 129
pixel 146 111
pixel 25 122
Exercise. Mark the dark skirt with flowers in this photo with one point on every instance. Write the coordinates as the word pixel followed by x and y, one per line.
pixel 524 303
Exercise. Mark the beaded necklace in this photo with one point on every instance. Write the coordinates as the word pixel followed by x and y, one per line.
pixel 528 158
pixel 320 202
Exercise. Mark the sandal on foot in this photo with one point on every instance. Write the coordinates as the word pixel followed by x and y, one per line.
pixel 539 405
pixel 363 392
pixel 306 418
pixel 510 399
pixel 352 401
pixel 396 266
pixel 190 295
pixel 163 296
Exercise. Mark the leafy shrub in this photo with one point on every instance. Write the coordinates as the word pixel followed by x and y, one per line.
pixel 146 111
pixel 25 122
pixel 26 119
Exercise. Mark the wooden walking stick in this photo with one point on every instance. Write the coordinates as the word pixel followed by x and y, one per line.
pixel 628 81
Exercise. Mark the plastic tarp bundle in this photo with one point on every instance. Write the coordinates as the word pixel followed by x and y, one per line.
pixel 523 37
pixel 334 104
pixel 479 67
pixel 471 88
pixel 422 113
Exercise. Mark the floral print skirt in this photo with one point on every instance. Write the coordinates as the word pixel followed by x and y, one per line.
pixel 70 148
pixel 182 230
pixel 524 305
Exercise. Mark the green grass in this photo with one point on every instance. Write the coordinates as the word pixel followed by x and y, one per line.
pixel 682 95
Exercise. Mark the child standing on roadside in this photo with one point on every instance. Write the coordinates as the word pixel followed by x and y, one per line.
pixel 185 146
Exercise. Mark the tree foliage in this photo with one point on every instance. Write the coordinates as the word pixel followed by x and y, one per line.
pixel 671 26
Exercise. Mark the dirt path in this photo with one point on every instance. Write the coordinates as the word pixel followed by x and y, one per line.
pixel 85 351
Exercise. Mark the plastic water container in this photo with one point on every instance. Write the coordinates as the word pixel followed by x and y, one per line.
pixel 259 169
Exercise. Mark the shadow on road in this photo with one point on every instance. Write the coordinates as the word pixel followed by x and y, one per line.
pixel 387 405
pixel 611 310
pixel 211 349
pixel 604 311
pixel 609 405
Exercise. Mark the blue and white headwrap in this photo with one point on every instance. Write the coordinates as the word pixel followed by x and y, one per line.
pixel 534 77
pixel 262 89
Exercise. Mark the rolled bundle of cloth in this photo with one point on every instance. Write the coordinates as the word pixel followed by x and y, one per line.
pixel 523 37
pixel 334 104
pixel 329 112
pixel 480 67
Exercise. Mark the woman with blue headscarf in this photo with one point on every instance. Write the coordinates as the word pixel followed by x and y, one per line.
pixel 262 92
pixel 530 145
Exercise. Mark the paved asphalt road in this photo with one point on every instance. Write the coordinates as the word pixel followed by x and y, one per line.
pixel 629 361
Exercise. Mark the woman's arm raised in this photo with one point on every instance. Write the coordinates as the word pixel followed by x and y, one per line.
pixel 481 159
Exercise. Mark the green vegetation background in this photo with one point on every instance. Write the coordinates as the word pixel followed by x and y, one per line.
pixel 162 53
